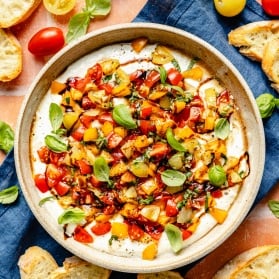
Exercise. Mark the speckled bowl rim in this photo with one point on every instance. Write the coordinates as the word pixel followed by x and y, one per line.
pixel 179 39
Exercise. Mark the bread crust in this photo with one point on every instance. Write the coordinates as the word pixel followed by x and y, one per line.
pixel 10 56
pixel 160 275
pixel 251 263
pixel 13 12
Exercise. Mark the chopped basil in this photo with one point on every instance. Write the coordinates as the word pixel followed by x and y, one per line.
pixel 222 128
pixel 163 74
pixel 71 215
pixel 9 195
pixel 175 237
pixel 122 115
pixel 173 178
pixel 46 199
pixel 173 142
pixel 274 207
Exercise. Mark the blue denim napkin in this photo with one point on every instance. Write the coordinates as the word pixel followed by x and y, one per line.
pixel 18 227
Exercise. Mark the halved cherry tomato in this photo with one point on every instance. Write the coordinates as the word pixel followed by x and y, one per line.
pixel 152 77
pixel 86 120
pixel 95 73
pixel 171 208
pixel 46 41
pixel 86 103
pixel 41 183
pixel 174 76
pixel 82 235
pixel 43 154
pixel 271 7
pixel 105 86
pixel 54 174
pixel 101 228
pixel 77 83
pixel 78 133
pixel 217 194
pixel 62 188
pixel 186 234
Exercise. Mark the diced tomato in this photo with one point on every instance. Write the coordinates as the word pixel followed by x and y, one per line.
pixel 106 86
pixel 106 116
pixel 55 157
pixel 191 114
pixel 86 120
pixel 41 183
pixel 62 188
pixel 154 230
pixel 84 167
pixel 171 208
pixel 224 97
pixel 152 77
pixel 114 140
pixel 86 103
pixel 54 174
pixel 78 133
pixel 197 101
pixel 94 181
pixel 186 234
pixel 217 194
pixel 159 150
pixel 43 154
pixel 136 75
pixel 135 232
pixel 109 210
pixel 82 235
pixel 117 155
pixel 95 73
pixel 101 228
pixel 146 126
pixel 195 113
pixel 174 76
pixel 145 112
pixel 77 83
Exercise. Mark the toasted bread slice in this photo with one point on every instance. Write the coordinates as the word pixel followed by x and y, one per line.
pixel 160 275
pixel 10 56
pixel 74 267
pixel 13 12
pixel 258 262
pixel 36 263
pixel 270 62
pixel 252 38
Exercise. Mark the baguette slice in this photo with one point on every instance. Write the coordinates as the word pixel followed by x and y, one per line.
pixel 10 56
pixel 13 12
pixel 258 262
pixel 36 263
pixel 270 62
pixel 160 275
pixel 74 268
pixel 252 37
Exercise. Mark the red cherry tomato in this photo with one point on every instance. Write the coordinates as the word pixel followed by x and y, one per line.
pixel 62 188
pixel 135 232
pixel 271 7
pixel 46 41
pixel 174 76
pixel 101 228
pixel 82 235
pixel 41 183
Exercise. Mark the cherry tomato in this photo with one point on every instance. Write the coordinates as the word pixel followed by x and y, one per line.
pixel 152 77
pixel 84 167
pixel 135 232
pixel 101 228
pixel 186 234
pixel 271 7
pixel 229 8
pixel 54 174
pixel 82 235
pixel 174 76
pixel 41 183
pixel 46 41
pixel 59 7
pixel 43 154
pixel 78 133
pixel 171 208
pixel 62 188
pixel 114 140
pixel 146 126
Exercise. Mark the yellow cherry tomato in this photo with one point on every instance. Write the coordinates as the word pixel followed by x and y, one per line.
pixel 229 8
pixel 59 7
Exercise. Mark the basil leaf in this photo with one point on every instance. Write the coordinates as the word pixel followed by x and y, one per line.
pixel 46 199
pixel 192 63
pixel 274 207
pixel 71 215
pixel 98 7
pixel 101 169
pixel 175 237
pixel 6 137
pixel 9 195
pixel 55 116
pixel 55 143
pixel 173 178
pixel 222 128
pixel 122 115
pixel 163 74
pixel 266 104
pixel 217 175
pixel 78 26
pixel 173 142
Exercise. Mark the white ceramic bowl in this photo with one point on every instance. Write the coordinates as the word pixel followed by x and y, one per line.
pixel 195 47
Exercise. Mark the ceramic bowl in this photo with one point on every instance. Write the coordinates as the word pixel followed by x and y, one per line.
pixel 223 69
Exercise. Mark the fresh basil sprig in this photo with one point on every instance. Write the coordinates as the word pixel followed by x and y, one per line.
pixel 122 115
pixel 173 142
pixel 79 23
pixel 174 236
pixel 222 128
pixel 71 215
pixel 173 178
pixel 266 104
pixel 274 207
pixel 101 170
pixel 9 195
pixel 6 137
